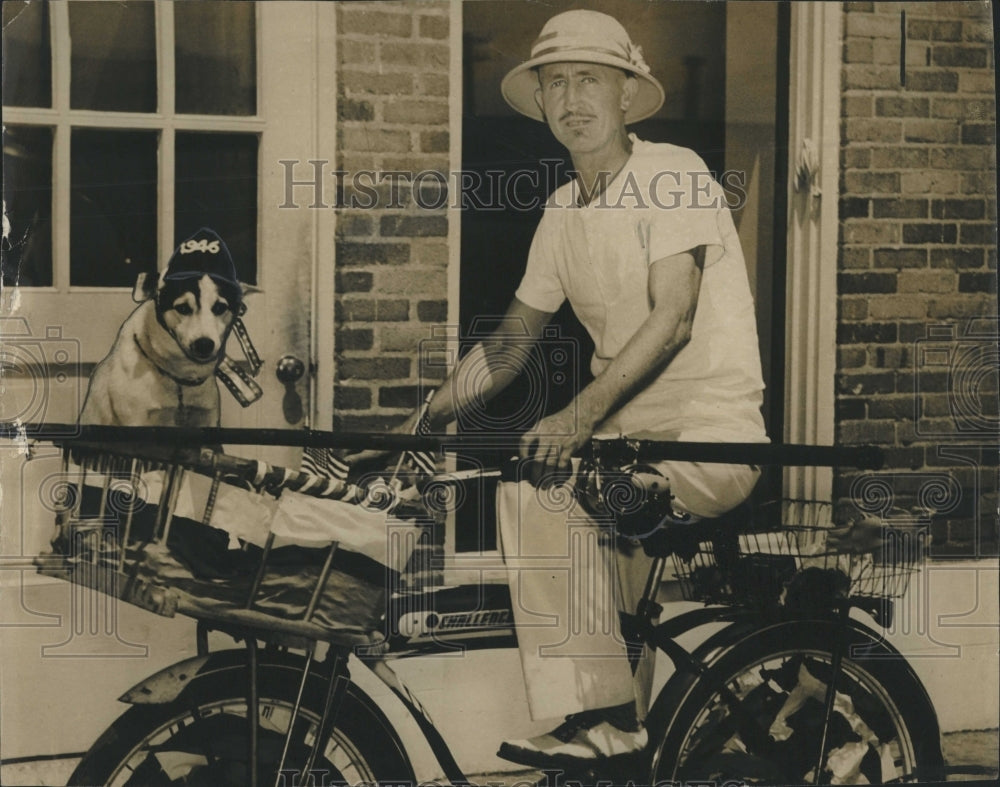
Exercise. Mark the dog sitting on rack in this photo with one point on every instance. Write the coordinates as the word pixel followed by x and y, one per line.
pixel 162 368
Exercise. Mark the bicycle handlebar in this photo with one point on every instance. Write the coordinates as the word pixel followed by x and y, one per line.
pixel 181 439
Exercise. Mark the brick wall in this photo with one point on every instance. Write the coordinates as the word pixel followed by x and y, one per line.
pixel 392 255
pixel 917 369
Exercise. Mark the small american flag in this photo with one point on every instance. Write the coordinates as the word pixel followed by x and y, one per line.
pixel 422 460
pixel 322 462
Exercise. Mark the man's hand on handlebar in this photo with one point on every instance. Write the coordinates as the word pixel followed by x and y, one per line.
pixel 552 442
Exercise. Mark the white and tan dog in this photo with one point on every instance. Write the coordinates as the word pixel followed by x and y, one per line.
pixel 161 369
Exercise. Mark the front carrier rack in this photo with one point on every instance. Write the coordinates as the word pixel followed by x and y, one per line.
pixel 231 541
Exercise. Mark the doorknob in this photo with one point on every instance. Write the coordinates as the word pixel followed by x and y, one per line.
pixel 289 369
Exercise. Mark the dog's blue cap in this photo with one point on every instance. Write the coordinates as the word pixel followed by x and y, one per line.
pixel 204 252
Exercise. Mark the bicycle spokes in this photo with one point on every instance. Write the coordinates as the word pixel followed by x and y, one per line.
pixel 767 725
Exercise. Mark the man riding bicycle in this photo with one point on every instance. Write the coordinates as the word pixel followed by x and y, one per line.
pixel 643 246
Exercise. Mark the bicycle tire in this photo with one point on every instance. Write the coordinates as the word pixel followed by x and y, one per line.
pixel 201 738
pixel 883 727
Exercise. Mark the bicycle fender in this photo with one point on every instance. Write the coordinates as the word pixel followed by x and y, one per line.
pixel 167 684
pixel 170 682
pixel 671 628
pixel 866 642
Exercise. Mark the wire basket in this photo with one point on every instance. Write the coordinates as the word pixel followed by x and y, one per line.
pixel 231 541
pixel 803 557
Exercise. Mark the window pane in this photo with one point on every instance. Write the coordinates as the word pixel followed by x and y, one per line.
pixel 216 59
pixel 27 194
pixel 27 56
pixel 113 64
pixel 216 187
pixel 113 206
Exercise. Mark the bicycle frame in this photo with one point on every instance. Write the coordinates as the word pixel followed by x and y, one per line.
pixel 441 620
pixel 483 621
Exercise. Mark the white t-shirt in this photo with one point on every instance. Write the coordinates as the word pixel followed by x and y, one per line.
pixel 662 203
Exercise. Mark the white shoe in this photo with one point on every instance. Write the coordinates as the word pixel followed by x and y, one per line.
pixel 580 740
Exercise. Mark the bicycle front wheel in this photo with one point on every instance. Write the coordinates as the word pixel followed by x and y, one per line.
pixel 757 715
pixel 202 738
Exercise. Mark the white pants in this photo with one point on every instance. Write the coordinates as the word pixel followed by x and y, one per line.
pixel 568 581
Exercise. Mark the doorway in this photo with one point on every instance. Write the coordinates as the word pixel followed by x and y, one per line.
pixel 724 70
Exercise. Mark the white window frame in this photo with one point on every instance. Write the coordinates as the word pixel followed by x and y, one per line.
pixel 62 120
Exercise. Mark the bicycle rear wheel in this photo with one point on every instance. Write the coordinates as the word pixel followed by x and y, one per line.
pixel 202 738
pixel 757 715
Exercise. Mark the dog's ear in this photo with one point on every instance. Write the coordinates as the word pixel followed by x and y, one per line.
pixel 246 290
pixel 145 286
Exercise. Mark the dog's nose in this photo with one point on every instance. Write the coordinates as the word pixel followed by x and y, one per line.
pixel 203 347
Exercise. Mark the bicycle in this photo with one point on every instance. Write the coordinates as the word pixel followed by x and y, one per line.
pixel 792 689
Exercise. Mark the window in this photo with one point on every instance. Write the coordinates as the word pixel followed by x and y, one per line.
pixel 144 116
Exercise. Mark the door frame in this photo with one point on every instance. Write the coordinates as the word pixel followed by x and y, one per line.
pixel 322 366
pixel 812 240
pixel 805 313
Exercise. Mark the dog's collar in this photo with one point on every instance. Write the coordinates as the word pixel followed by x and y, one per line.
pixel 164 372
